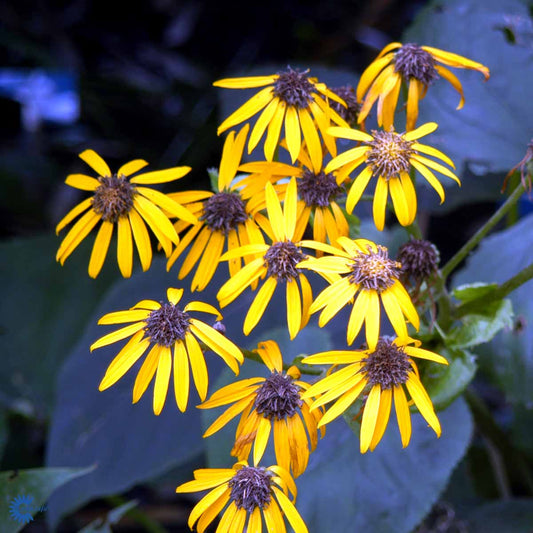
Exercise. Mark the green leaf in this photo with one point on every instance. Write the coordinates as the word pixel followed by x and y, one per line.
pixel 472 291
pixel 390 489
pixel 128 442
pixel 512 516
pixel 489 135
pixel 24 492
pixel 44 309
pixel 113 517
pixel 482 325
pixel 446 383
pixel 508 358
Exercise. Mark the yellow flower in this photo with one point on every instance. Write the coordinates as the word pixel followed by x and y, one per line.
pixel 372 277
pixel 291 98
pixel 276 261
pixel 389 157
pixel 118 200
pixel 318 191
pixel 380 374
pixel 416 66
pixel 225 217
pixel 254 493
pixel 172 335
pixel 267 406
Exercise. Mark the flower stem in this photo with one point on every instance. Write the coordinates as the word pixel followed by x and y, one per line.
pixel 450 266
pixel 499 293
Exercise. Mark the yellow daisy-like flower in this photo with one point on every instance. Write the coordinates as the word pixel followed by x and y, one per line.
pixel 370 279
pixel 416 66
pixel 267 406
pixel 318 191
pixel 291 98
pixel 389 156
pixel 381 375
pixel 277 262
pixel 171 334
pixel 122 201
pixel 255 494
pixel 226 218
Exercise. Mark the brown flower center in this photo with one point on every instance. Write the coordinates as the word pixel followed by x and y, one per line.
pixel 294 88
pixel 278 397
pixel 167 325
pixel 388 365
pixel 351 111
pixel 251 488
pixel 389 155
pixel 281 260
pixel 113 198
pixel 374 270
pixel 224 211
pixel 419 259
pixel 318 189
pixel 411 61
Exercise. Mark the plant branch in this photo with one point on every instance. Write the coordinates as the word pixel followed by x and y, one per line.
pixel 450 266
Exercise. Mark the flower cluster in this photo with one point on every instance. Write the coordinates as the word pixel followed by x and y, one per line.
pixel 277 226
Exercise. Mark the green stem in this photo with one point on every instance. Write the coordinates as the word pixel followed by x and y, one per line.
pixel 414 230
pixel 499 293
pixel 450 266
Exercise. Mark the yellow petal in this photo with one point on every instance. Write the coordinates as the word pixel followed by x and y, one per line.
pixel 274 129
pixel 118 335
pixel 370 74
pixel 198 366
pixel 100 247
pixel 358 188
pixel 261 439
pixel 292 132
pixel 146 373
pixel 294 308
pixel 370 414
pixel 430 177
pixel 423 402
pixel 402 415
pixel 413 95
pixel 295 520
pixel 130 168
pixel 166 203
pixel 380 203
pixel 456 84
pixel 73 213
pixel 161 176
pixel 275 214
pixel 261 300
pixel 248 109
pixel 421 131
pixel 95 162
pixel 124 360
pixel 125 247
pixel 142 239
pixel 83 182
pixel 311 139
pixel 399 201
pixel 249 82
pixel 385 402
pixel 231 157
pixel 76 234
pixel 162 379
pixel 261 124
pixel 372 320
pixel 181 376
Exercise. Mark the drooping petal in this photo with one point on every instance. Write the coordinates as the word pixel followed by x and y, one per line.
pixel 100 248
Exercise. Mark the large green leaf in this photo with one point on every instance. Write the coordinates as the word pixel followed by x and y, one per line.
pixel 512 516
pixel 390 489
pixel 23 493
pixel 44 308
pixel 128 442
pixel 508 358
pixel 490 134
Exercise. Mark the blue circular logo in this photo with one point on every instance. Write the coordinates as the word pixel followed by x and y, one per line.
pixel 21 508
